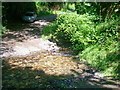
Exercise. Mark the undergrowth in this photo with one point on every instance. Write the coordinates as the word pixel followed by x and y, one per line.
pixel 104 57
pixel 2 30
pixel 96 43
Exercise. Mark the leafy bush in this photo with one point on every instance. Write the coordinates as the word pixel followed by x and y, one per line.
pixel 101 10
pixel 98 42
pixel 105 55
pixel 85 7
pixel 48 31
pixel 2 30
pixel 76 29
pixel 107 29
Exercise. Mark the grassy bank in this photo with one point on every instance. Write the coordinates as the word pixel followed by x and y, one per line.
pixel 96 43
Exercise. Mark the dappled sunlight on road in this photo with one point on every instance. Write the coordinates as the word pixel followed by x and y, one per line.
pixel 45 67
pixel 30 61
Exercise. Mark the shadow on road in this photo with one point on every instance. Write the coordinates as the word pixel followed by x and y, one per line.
pixel 27 78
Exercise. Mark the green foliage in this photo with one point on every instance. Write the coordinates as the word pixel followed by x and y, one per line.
pixel 76 29
pixel 85 7
pixel 108 29
pixel 105 55
pixel 41 8
pixel 71 6
pixel 2 30
pixel 49 30
pixel 98 42
pixel 100 9
pixel 45 8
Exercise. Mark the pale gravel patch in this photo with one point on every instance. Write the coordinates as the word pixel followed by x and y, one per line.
pixel 31 46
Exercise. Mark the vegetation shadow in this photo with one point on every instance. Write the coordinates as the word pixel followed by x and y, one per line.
pixel 20 30
pixel 25 77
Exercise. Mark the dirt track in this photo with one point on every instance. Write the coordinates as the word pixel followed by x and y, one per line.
pixel 41 63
